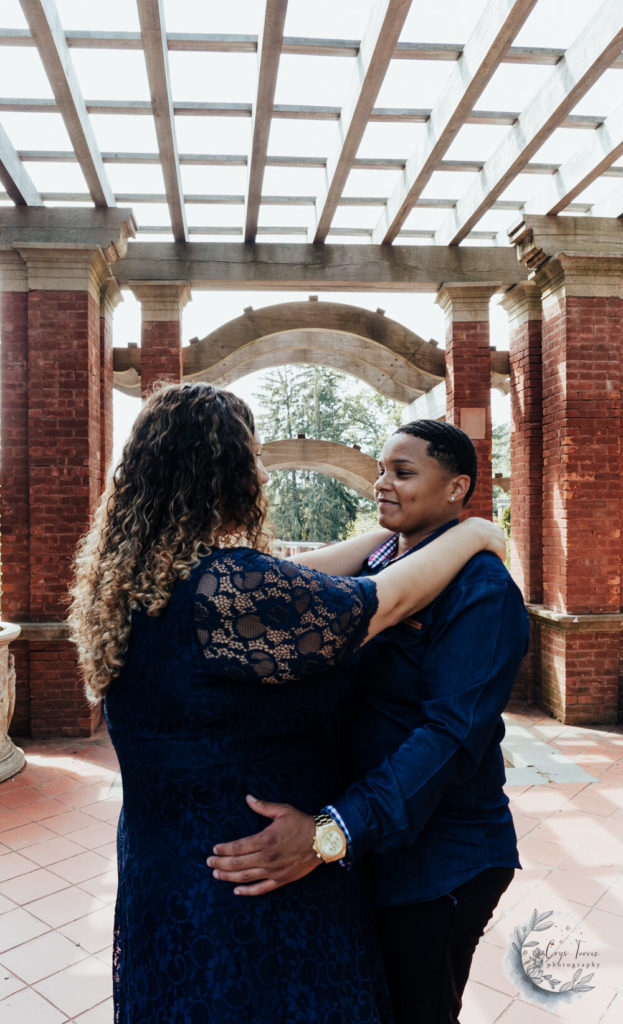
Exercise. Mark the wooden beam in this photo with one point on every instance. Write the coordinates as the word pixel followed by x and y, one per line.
pixel 151 17
pixel 204 42
pixel 588 56
pixel 269 52
pixel 296 267
pixel 498 25
pixel 602 148
pixel 288 112
pixel 47 32
pixel 14 175
pixel 377 48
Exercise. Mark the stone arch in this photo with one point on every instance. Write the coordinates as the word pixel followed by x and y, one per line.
pixel 348 465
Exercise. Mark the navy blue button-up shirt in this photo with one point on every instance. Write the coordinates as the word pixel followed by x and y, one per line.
pixel 423 736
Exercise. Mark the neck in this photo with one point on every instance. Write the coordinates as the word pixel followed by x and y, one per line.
pixel 410 538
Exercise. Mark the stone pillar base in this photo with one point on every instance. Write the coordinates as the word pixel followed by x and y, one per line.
pixel 12 759
pixel 577 665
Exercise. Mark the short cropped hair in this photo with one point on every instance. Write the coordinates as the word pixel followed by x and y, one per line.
pixel 451 447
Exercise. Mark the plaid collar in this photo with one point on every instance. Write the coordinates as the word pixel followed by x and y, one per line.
pixel 388 550
pixel 385 553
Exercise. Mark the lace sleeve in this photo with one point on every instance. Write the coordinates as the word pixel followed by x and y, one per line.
pixel 273 621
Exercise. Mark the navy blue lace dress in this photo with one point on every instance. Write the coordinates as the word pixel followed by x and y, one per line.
pixel 197 723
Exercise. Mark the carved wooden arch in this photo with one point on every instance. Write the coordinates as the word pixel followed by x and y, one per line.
pixel 348 465
pixel 390 357
pixel 379 350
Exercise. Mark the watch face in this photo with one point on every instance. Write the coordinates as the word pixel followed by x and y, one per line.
pixel 331 842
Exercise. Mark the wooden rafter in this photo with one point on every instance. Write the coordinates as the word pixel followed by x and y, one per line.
pixel 204 42
pixel 47 32
pixel 151 17
pixel 269 53
pixel 14 175
pixel 498 25
pixel 288 112
pixel 377 48
pixel 588 56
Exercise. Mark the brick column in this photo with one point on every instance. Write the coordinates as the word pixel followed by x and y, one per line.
pixel 14 504
pixel 109 299
pixel 523 306
pixel 64 468
pixel 580 621
pixel 161 332
pixel 468 378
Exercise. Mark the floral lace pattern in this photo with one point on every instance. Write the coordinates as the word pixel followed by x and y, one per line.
pixel 276 620
pixel 195 731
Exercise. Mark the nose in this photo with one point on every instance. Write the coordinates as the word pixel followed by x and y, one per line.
pixel 379 484
pixel 262 473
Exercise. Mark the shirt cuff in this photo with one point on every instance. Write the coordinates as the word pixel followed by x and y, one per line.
pixel 346 860
pixel 358 829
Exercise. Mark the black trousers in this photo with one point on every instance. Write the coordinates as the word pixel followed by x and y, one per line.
pixel 428 947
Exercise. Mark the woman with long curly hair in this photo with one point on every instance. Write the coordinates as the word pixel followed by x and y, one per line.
pixel 185 625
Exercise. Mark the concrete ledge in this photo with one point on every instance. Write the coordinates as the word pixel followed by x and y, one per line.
pixel 566 622
pixel 44 631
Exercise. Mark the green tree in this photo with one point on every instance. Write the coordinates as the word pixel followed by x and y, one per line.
pixel 500 463
pixel 326 405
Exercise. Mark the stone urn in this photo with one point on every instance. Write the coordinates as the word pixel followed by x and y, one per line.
pixel 12 759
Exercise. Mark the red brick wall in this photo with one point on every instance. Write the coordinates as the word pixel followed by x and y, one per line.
pixel 64 428
pixel 58 706
pixel 526 459
pixel 579 674
pixel 468 384
pixel 582 491
pixel 14 419
pixel 65 480
pixel 161 354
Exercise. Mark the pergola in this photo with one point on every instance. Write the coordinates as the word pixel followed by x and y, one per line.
pixel 469 150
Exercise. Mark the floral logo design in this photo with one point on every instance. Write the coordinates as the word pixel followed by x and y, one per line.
pixel 548 958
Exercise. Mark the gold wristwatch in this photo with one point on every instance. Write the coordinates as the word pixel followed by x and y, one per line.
pixel 329 841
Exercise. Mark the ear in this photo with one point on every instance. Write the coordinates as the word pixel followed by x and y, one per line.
pixel 459 486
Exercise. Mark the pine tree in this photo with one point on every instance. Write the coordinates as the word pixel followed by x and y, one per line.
pixel 325 405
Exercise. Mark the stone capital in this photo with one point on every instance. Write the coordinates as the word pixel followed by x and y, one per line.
pixel 538 238
pixel 107 229
pixel 161 302
pixel 522 302
pixel 74 268
pixel 580 275
pixel 13 271
pixel 465 303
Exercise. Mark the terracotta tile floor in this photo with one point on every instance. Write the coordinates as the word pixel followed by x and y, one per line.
pixel 57 883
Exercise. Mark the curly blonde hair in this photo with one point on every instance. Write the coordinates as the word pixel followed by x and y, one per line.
pixel 187 481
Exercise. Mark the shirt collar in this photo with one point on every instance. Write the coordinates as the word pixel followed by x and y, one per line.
pixel 387 551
